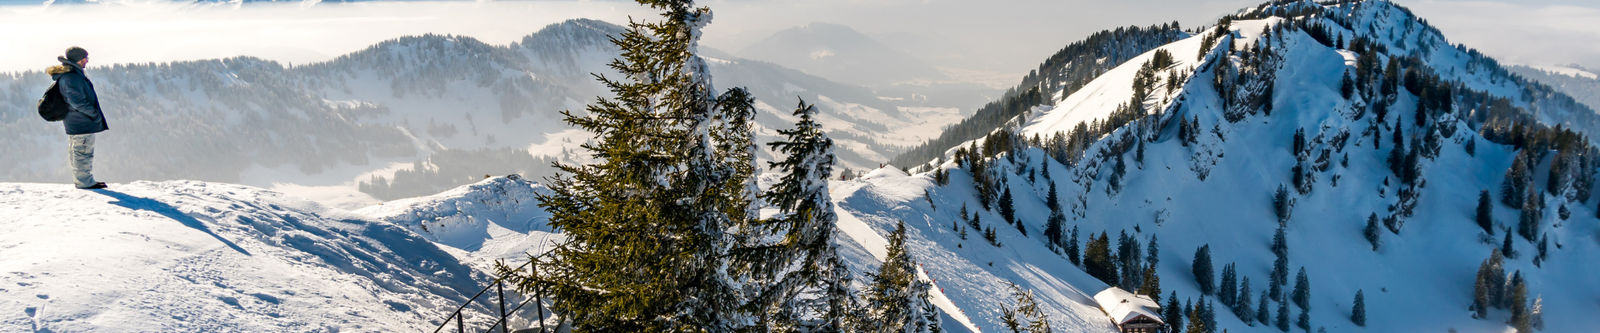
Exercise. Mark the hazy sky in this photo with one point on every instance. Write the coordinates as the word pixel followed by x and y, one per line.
pixel 1001 36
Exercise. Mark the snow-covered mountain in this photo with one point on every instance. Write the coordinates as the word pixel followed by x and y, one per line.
pixel 1187 145
pixel 840 53
pixel 407 117
pixel 1582 83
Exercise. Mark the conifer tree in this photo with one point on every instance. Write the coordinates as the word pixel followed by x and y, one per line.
pixel 1072 247
pixel 1007 210
pixel 1514 189
pixel 1283 317
pixel 1114 183
pixel 1371 231
pixel 1280 266
pixel 1528 223
pixel 1210 316
pixel 1397 155
pixel 1138 155
pixel 1536 314
pixel 1494 278
pixel 1264 312
pixel 1544 247
pixel 1299 145
pixel 1519 305
pixel 989 236
pixel 1202 270
pixel 1173 315
pixel 1229 285
pixel 1131 261
pixel 1485 215
pixel 1242 308
pixel 1302 290
pixel 1480 292
pixel 1358 311
pixel 1098 261
pixel 895 298
pixel 1196 314
pixel 805 261
pixel 1282 205
pixel 646 244
pixel 1305 320
pixel 1471 146
pixel 1505 248
pixel 1347 87
pixel 1151 285
pixel 1152 252
pixel 1053 227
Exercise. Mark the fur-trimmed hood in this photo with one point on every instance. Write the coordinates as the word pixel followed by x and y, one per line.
pixel 57 70
pixel 63 68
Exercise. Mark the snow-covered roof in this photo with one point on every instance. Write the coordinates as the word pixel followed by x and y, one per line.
pixel 1124 306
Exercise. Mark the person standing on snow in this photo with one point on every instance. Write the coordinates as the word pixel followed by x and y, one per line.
pixel 84 120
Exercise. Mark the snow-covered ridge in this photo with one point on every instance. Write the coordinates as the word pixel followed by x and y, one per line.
pixel 185 256
pixel 497 218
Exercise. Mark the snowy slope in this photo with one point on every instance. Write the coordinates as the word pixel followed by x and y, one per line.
pixel 970 274
pixel 1420 280
pixel 186 256
pixel 497 218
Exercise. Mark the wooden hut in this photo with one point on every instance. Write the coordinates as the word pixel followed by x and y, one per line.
pixel 1131 313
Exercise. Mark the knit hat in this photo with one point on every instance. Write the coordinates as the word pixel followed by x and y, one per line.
pixel 75 54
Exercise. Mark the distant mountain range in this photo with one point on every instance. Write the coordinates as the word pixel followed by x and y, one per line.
pixel 840 53
pixel 387 112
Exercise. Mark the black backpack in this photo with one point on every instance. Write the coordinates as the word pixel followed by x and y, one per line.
pixel 53 107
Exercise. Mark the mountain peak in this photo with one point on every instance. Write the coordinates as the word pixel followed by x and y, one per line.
pixel 841 53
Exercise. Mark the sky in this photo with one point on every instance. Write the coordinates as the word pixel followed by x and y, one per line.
pixel 1003 37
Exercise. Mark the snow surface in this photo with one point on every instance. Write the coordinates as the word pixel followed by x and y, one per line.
pixel 495 219
pixel 184 256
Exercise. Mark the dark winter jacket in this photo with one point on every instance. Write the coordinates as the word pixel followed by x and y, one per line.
pixel 85 117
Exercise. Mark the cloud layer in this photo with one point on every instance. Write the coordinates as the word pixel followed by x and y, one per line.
pixel 1000 37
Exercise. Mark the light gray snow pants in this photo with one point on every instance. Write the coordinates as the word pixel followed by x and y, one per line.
pixel 80 155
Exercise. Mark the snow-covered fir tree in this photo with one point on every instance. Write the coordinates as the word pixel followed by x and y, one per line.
pixel 810 289
pixel 895 298
pixel 647 247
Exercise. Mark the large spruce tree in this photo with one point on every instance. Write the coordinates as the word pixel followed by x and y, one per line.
pixel 647 247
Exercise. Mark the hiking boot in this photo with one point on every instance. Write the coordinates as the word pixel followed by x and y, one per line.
pixel 96 186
